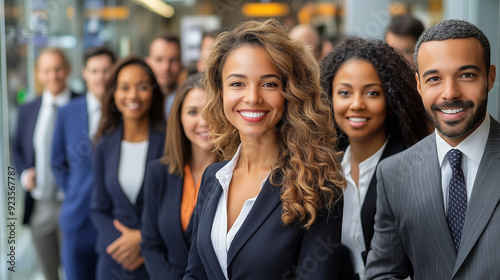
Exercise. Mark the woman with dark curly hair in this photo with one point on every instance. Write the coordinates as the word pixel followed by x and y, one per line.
pixel 377 106
pixel 274 210
pixel 130 135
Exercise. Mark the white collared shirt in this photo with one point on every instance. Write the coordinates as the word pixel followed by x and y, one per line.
pixel 42 192
pixel 354 197
pixel 94 113
pixel 131 168
pixel 220 240
pixel 472 149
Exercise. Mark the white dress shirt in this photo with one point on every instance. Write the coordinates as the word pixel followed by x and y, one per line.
pixel 46 186
pixel 354 197
pixel 94 113
pixel 472 149
pixel 220 240
pixel 131 168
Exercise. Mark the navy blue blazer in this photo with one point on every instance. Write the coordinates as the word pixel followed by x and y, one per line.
pixel 109 202
pixel 264 248
pixel 165 246
pixel 72 164
pixel 22 148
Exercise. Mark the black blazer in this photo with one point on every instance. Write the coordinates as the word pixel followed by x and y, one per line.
pixel 368 209
pixel 264 248
pixel 165 246
pixel 22 148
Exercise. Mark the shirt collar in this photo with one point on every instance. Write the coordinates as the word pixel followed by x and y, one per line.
pixel 92 102
pixel 225 174
pixel 470 146
pixel 60 100
pixel 371 161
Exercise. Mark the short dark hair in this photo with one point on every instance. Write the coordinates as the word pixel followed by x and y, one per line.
pixel 406 25
pixel 96 51
pixel 455 29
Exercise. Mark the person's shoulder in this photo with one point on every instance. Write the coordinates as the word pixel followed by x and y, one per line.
pixel 160 169
pixel 214 167
pixel 110 139
pixel 74 104
pixel 31 105
pixel 404 157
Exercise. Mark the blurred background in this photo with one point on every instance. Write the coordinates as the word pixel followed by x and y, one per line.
pixel 128 26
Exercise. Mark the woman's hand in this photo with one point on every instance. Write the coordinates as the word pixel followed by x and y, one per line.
pixel 125 250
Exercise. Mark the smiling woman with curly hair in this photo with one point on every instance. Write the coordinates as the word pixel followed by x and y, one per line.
pixel 267 212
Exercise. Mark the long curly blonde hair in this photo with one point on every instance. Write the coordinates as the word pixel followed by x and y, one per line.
pixel 308 170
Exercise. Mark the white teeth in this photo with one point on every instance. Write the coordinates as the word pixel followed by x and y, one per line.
pixel 204 134
pixel 452 111
pixel 252 115
pixel 133 105
pixel 358 119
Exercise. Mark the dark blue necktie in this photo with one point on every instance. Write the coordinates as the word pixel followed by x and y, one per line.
pixel 457 198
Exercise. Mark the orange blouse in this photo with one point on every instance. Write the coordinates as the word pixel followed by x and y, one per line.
pixel 189 196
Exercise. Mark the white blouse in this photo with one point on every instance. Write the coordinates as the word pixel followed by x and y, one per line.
pixel 352 230
pixel 131 167
pixel 220 240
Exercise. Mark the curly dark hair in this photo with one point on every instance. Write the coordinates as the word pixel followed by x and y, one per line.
pixel 406 118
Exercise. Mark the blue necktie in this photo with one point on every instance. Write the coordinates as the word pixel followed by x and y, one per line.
pixel 457 198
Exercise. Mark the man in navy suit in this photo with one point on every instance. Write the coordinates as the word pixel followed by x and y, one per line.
pixel 31 152
pixel 72 165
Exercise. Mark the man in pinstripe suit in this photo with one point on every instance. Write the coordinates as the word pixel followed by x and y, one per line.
pixel 417 232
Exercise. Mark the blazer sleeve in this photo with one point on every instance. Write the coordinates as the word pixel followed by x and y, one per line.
pixel 17 146
pixel 195 269
pixel 387 258
pixel 102 205
pixel 153 248
pixel 320 246
pixel 59 165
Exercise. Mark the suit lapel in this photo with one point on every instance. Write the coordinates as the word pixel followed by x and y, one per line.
pixel 155 148
pixel 205 229
pixel 114 150
pixel 484 197
pixel 85 122
pixel 267 200
pixel 429 200
pixel 176 184
pixel 369 204
pixel 31 123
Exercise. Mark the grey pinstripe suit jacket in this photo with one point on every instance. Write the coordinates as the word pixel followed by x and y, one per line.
pixel 411 229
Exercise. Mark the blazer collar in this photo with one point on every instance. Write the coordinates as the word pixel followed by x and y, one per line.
pixel 155 148
pixel 205 226
pixel 368 209
pixel 268 199
pixel 484 197
pixel 427 178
